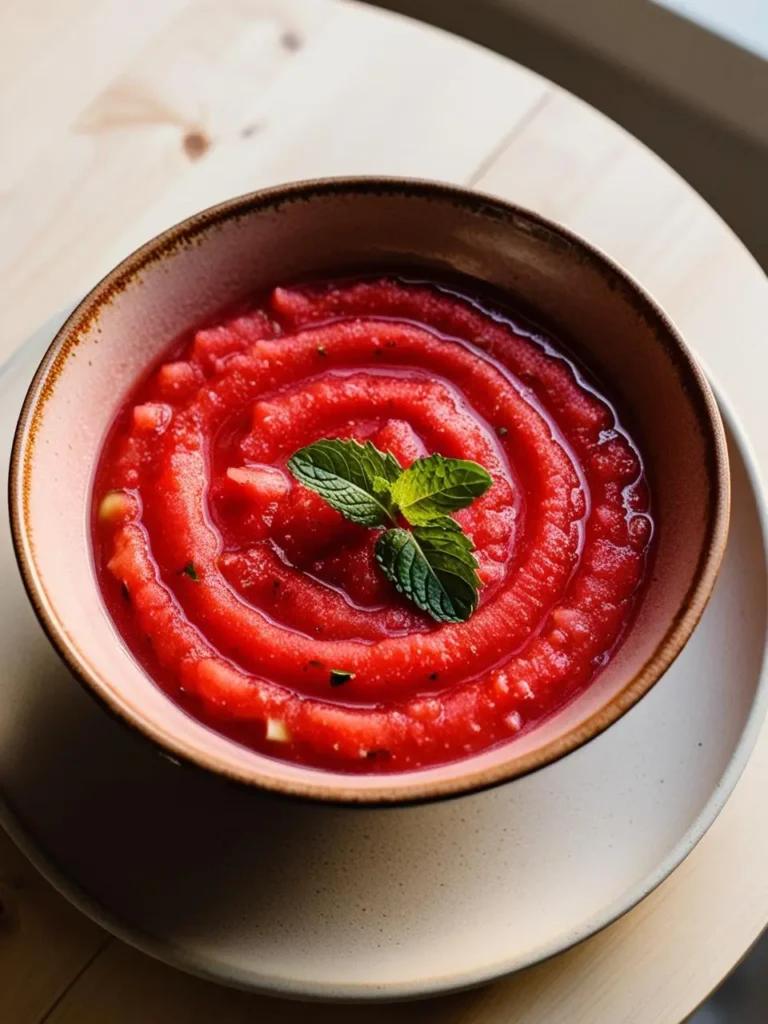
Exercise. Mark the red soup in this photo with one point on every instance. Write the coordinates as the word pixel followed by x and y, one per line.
pixel 264 612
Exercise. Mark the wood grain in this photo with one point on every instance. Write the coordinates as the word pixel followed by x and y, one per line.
pixel 117 119
pixel 196 103
pixel 44 942
pixel 123 987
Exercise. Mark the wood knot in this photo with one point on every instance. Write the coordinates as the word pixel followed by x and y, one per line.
pixel 196 144
pixel 290 40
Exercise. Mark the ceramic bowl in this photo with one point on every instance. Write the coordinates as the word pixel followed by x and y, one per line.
pixel 223 256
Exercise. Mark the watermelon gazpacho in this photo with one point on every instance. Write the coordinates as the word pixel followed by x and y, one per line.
pixel 371 525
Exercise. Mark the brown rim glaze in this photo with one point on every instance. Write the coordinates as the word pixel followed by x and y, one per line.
pixel 407 787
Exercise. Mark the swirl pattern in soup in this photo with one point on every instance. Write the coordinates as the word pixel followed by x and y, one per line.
pixel 262 611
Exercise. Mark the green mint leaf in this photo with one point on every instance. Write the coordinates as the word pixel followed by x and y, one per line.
pixel 190 570
pixel 433 566
pixel 435 486
pixel 339 676
pixel 353 478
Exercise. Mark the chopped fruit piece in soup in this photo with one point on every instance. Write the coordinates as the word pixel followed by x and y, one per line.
pixel 113 506
pixel 371 526
pixel 277 731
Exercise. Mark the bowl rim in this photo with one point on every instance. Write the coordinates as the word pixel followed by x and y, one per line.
pixel 406 787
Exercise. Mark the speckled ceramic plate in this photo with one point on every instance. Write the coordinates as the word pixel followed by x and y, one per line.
pixel 313 901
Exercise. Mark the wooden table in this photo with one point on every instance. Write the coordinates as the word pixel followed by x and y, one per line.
pixel 118 117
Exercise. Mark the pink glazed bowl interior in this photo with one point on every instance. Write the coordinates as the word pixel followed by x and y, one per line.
pixel 224 256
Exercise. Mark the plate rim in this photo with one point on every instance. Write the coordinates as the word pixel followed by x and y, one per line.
pixel 476 772
pixel 367 992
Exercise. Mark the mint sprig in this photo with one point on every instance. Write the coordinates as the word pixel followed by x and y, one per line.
pixel 434 486
pixel 432 563
pixel 353 478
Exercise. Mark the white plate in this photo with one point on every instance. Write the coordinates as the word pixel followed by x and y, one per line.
pixel 348 903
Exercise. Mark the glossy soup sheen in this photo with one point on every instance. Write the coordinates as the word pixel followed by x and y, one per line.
pixel 244 595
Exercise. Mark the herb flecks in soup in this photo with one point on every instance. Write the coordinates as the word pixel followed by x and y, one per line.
pixel 482 571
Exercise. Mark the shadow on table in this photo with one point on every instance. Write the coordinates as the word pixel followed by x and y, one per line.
pixel 743 998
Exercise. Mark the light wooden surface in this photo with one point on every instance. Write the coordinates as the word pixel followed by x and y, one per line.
pixel 118 117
